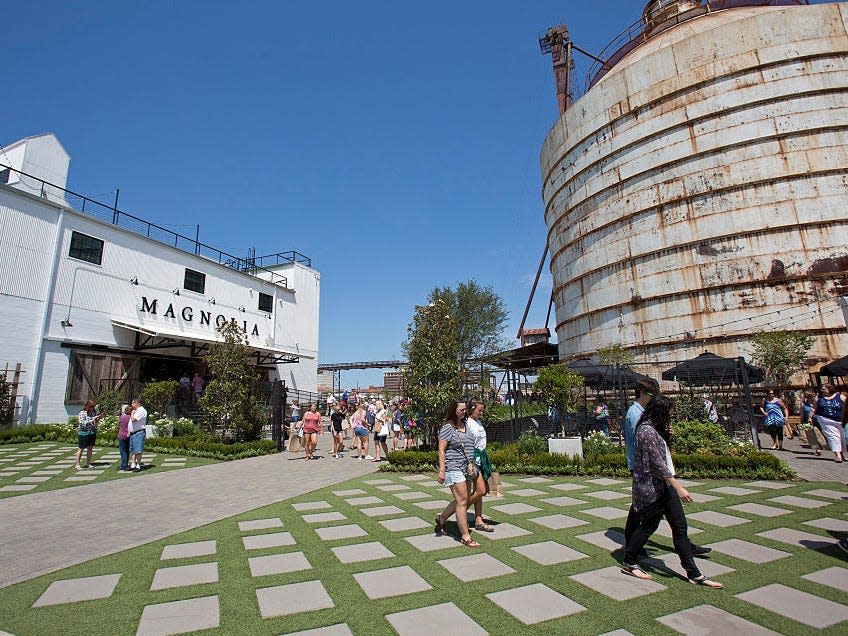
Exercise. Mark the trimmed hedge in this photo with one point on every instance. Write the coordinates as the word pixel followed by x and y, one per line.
pixel 173 445
pixel 754 465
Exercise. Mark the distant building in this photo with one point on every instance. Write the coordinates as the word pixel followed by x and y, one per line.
pixel 325 381
pixel 393 383
pixel 100 299
pixel 533 336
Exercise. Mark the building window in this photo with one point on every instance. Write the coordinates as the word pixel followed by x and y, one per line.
pixel 266 302
pixel 195 281
pixel 4 175
pixel 86 248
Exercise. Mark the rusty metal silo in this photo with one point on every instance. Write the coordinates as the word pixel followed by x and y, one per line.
pixel 700 185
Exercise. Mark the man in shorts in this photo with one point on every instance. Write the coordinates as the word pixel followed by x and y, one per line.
pixel 137 431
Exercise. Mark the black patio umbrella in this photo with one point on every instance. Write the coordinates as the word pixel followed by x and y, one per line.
pixel 836 369
pixel 605 376
pixel 708 369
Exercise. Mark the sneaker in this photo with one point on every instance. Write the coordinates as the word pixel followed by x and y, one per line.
pixel 368 457
pixel 360 458
pixel 843 544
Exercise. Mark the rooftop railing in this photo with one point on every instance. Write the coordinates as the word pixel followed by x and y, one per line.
pixel 254 266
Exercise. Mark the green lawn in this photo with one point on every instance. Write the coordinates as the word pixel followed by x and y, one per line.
pixel 236 589
pixel 104 468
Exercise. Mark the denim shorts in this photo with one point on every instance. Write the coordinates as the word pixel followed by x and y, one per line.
pixel 454 477
pixel 137 442
pixel 360 432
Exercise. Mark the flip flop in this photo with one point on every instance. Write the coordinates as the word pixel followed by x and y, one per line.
pixel 482 527
pixel 471 543
pixel 635 571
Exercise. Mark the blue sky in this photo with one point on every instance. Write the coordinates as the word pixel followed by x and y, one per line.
pixel 394 143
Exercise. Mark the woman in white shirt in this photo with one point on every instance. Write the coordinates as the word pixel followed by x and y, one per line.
pixel 481 458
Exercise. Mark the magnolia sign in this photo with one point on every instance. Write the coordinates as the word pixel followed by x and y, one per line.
pixel 187 314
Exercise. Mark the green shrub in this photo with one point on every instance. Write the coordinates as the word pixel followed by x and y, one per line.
pixel 698 436
pixel 214 450
pixel 108 424
pixel 503 412
pixel 529 443
pixel 596 444
pixel 109 401
pixel 158 395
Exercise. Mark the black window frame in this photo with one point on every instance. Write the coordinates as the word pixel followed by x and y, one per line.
pixel 198 282
pixel 269 302
pixel 91 253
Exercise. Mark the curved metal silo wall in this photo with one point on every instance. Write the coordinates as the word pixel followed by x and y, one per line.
pixel 702 185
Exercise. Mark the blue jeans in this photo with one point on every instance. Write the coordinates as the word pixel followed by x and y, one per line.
pixel 124 449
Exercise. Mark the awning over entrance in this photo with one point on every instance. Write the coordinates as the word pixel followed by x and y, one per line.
pixel 150 337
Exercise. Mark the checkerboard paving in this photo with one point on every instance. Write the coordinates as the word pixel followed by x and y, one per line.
pixel 307 562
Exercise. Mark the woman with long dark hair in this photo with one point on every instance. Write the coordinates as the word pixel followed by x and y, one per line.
pixel 657 494
pixel 456 452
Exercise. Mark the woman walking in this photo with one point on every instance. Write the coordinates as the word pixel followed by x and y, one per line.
pixel 481 459
pixel 360 432
pixel 828 413
pixel 337 424
pixel 656 493
pixel 311 430
pixel 456 447
pixel 776 414
pixel 381 431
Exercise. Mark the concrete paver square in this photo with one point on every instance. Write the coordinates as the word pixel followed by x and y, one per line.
pixel 412 495
pixel 670 562
pixel 348 493
pixel 835 577
pixel 359 552
pixel 363 501
pixel 260 524
pixel 612 583
pixel 475 566
pixel 664 530
pixel 617 632
pixel 278 564
pixel 606 512
pixel 567 487
pixel 31 480
pixel 798 538
pixel 270 540
pixel 8 473
pixel 799 502
pixel 549 553
pixel 717 518
pixel 830 524
pixel 799 606
pixel 18 487
pixel 699 497
pixel 404 523
pixel 536 480
pixel 445 618
pixel 416 477
pixel 761 510
pixel 430 542
pixel 563 501
pixel 535 603
pixel 179 617
pixel 607 494
pixel 82 478
pixel 323 517
pixel 433 504
pixel 311 505
pixel 333 630
pixel 332 533
pixel 187 550
pixel 391 582
pixel 50 473
pixel 747 551
pixel 381 511
pixel 73 590
pixel 377 482
pixel 182 575
pixel 506 531
pixel 282 600
pixel 526 492
pixel 769 485
pixel 394 488
pixel 606 539
pixel 515 508
pixel 706 620
pixel 686 483
pixel 558 522
pixel 605 481
pixel 735 491
pixel 841 495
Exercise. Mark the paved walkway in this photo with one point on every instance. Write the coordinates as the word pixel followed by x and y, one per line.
pixel 805 462
pixel 44 532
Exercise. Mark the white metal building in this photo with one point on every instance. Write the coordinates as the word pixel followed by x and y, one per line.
pixel 94 298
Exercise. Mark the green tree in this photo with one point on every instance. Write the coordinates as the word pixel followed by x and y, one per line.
pixel 228 398
pixel 480 317
pixel 616 354
pixel 433 376
pixel 780 353
pixel 109 401
pixel 559 387
pixel 158 395
pixel 7 408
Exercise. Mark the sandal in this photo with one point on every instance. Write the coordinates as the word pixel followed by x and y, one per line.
pixel 471 543
pixel 635 571
pixel 482 527
pixel 440 526
pixel 703 580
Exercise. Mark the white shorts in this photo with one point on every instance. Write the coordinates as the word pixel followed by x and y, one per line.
pixel 454 477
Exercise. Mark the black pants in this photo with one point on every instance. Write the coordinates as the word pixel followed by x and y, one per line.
pixel 648 520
